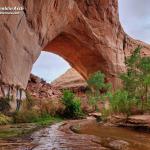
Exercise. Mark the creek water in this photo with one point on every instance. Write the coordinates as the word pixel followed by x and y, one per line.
pixel 136 140
pixel 90 136
pixel 60 137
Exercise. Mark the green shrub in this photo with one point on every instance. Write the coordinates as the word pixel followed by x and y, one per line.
pixel 27 116
pixel 72 105
pixel 4 119
pixel 120 102
pixel 68 97
pixel 76 107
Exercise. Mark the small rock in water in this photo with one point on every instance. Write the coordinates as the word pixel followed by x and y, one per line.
pixel 95 114
pixel 119 145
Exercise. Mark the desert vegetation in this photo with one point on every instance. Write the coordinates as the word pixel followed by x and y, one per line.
pixel 72 105
pixel 37 113
pixel 134 96
pixel 99 90
pixel 31 116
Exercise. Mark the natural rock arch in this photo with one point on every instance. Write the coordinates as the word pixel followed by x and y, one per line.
pixel 77 54
pixel 87 33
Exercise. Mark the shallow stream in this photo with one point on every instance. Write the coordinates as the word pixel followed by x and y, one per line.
pixel 90 136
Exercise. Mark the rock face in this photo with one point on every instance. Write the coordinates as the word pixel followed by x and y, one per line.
pixel 133 121
pixel 44 93
pixel 70 79
pixel 41 90
pixel 87 33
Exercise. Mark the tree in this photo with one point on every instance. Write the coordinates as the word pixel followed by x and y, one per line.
pixel 136 80
pixel 99 89
pixel 130 78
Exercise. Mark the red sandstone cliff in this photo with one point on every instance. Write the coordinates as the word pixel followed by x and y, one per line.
pixel 86 33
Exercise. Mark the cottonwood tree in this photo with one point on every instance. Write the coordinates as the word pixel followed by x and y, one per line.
pixel 136 80
pixel 98 88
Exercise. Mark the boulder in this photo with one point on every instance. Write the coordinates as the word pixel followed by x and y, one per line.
pixel 139 122
pixel 119 145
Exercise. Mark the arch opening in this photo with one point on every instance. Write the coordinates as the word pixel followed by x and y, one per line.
pixel 49 66
pixel 83 59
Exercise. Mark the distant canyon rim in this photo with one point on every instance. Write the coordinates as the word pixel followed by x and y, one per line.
pixel 86 33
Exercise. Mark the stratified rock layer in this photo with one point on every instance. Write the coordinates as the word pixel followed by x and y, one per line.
pixel 87 33
pixel 70 79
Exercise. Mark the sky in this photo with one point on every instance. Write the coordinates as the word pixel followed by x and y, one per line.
pixel 49 66
pixel 135 19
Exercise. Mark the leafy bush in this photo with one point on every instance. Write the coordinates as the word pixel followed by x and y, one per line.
pixel 4 119
pixel 72 105
pixel 120 103
pixel 76 107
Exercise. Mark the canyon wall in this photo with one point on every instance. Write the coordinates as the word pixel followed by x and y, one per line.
pixel 69 80
pixel 86 33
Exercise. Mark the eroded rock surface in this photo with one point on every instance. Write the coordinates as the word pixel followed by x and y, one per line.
pixel 87 33
pixel 141 122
